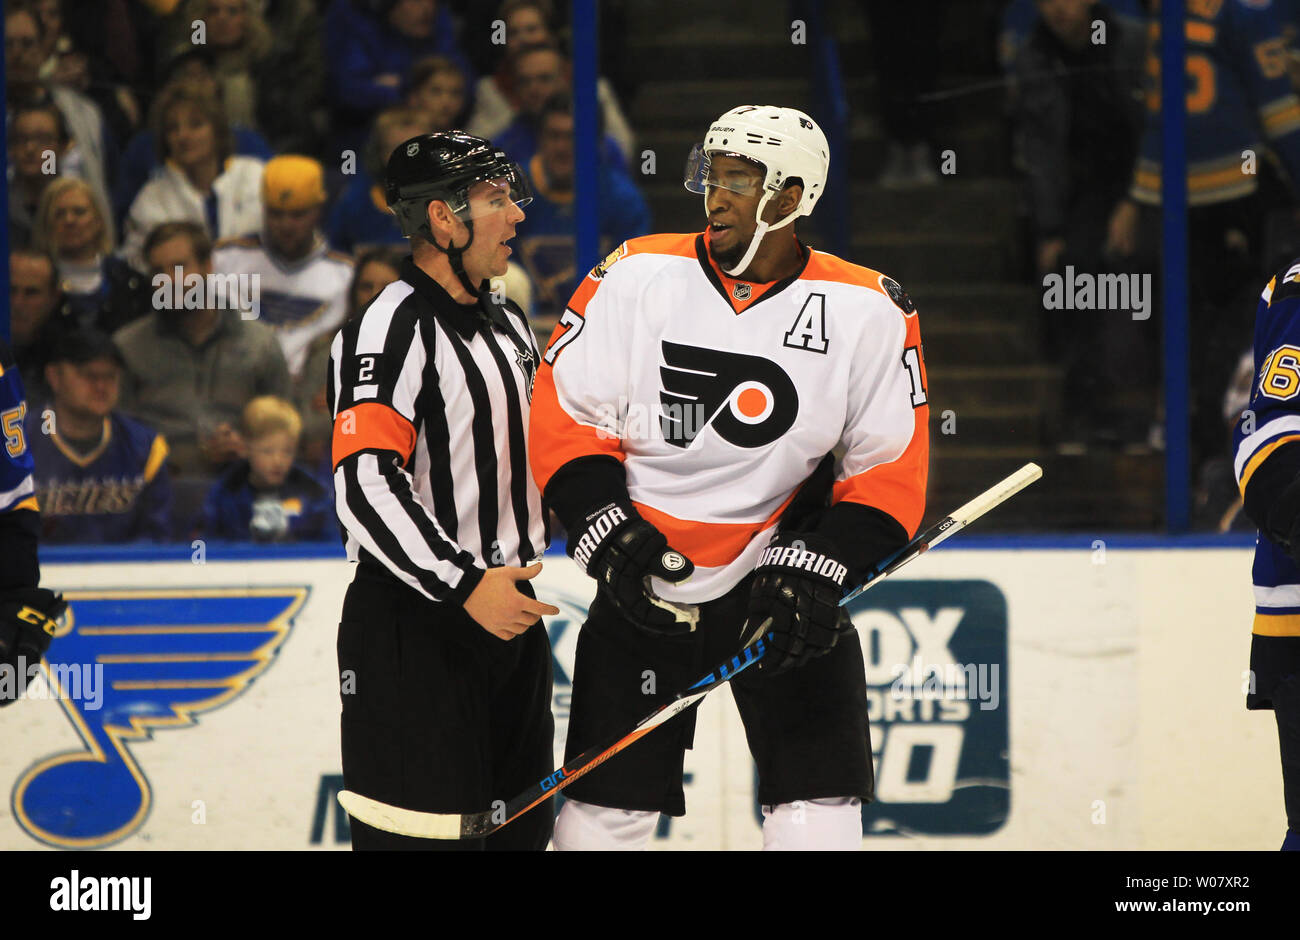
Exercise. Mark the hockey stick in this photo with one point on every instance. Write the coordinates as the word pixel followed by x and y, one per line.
pixel 406 822
pixel 950 525
pixel 423 825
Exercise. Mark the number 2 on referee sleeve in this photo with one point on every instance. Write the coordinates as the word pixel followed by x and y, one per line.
pixel 912 363
pixel 575 324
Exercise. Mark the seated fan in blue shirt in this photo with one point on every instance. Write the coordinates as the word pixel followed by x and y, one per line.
pixel 268 496
pixel 100 476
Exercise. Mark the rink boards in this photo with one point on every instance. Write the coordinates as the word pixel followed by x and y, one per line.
pixel 1023 695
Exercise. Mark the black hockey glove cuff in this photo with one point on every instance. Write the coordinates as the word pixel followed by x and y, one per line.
pixel 795 597
pixel 581 484
pixel 622 552
pixel 28 622
pixel 862 536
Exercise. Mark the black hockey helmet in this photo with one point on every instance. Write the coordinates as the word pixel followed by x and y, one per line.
pixel 445 166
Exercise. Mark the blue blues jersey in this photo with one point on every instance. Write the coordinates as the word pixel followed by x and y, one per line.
pixel 19 515
pixel 545 239
pixel 299 509
pixel 519 140
pixel 1238 96
pixel 118 492
pixel 1271 422
pixel 17 486
pixel 361 217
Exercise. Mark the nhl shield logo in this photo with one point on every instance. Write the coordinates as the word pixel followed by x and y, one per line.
pixel 528 366
pixel 741 291
pixel 412 149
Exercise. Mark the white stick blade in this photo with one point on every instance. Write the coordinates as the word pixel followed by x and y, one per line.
pixel 402 822
pixel 998 493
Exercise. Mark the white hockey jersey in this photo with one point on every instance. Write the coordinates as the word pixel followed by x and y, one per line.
pixel 721 396
pixel 300 301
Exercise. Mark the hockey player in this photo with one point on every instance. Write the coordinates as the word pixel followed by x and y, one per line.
pixel 27 612
pixel 694 384
pixel 1266 460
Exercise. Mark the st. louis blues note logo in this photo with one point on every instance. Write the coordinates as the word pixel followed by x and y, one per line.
pixel 167 655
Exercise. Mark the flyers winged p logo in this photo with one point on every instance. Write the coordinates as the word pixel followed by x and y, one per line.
pixel 748 400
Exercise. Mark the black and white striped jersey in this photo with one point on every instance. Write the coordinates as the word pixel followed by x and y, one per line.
pixel 430 401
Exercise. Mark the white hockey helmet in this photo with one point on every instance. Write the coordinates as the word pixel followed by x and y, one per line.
pixel 786 143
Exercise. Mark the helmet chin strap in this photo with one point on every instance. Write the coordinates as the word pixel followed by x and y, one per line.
pixel 455 256
pixel 762 229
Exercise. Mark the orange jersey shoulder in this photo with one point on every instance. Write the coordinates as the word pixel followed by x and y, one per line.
pixel 826 267
pixel 682 245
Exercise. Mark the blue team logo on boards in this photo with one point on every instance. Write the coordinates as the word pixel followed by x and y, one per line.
pixel 167 655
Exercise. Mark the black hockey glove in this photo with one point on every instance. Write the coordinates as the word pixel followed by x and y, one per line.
pixel 795 596
pixel 27 624
pixel 622 552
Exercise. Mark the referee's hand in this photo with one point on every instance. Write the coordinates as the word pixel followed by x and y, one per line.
pixel 499 608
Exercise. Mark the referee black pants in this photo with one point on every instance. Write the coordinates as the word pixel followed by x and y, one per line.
pixel 439 715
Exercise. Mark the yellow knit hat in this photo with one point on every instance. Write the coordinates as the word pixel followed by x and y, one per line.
pixel 293 182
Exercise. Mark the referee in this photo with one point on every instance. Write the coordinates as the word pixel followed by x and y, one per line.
pixel 445 668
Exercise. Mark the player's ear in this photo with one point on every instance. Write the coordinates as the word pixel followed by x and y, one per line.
pixel 433 213
pixel 785 202
pixel 441 219
pixel 790 197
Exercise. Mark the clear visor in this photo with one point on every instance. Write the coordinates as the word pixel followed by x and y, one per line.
pixel 701 174
pixel 495 195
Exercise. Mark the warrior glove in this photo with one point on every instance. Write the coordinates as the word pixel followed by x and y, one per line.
pixel 622 552
pixel 795 597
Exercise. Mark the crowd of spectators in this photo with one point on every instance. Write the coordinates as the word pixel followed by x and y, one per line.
pixel 1078 112
pixel 196 207
pixel 1084 96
